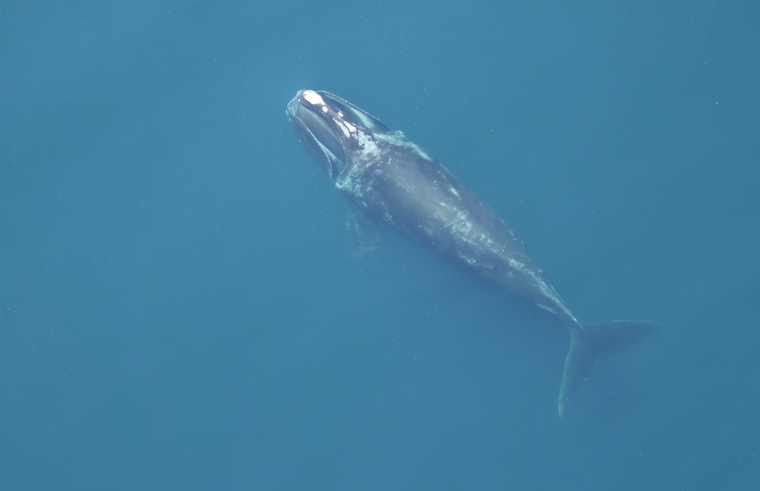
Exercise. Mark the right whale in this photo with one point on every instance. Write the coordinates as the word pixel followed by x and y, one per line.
pixel 389 179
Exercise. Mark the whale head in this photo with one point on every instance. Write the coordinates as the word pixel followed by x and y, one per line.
pixel 330 128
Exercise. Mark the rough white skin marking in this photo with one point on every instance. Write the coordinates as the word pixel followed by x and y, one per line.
pixel 313 98
pixel 460 218
pixel 324 109
pixel 463 228
pixel 340 114
pixel 370 149
pixel 357 179
pixel 398 139
pixel 469 260
pixel 351 182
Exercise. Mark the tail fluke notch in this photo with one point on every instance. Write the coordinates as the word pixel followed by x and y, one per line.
pixel 587 347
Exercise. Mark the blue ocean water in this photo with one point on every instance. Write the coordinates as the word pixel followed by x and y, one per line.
pixel 180 309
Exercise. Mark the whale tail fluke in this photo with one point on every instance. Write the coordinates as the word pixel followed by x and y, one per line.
pixel 595 342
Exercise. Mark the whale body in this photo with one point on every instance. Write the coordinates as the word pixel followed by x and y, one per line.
pixel 389 179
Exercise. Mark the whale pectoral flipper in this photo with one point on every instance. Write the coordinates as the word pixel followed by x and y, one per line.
pixel 587 347
pixel 363 235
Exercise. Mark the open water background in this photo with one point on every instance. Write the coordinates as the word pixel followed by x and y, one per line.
pixel 179 308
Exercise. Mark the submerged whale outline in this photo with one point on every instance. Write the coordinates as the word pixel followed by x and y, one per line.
pixel 388 178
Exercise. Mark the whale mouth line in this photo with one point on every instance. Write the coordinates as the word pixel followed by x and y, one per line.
pixel 319 137
pixel 332 129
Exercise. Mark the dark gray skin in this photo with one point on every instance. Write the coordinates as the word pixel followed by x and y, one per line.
pixel 389 179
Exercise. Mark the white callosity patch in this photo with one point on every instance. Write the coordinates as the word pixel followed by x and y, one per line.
pixel 347 128
pixel 313 98
pixel 343 128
